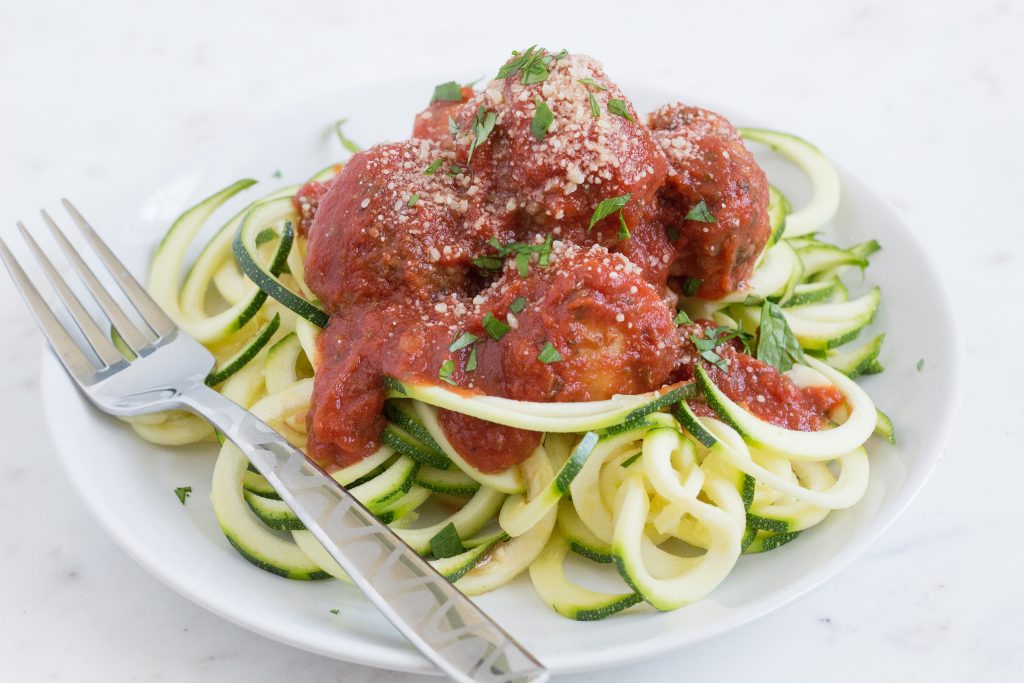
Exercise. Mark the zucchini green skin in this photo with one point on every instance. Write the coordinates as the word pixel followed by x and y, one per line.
pixel 245 355
pixel 778 208
pixel 398 439
pixel 450 482
pixel 859 361
pixel 246 254
pixel 547 573
pixel 884 428
pixel 518 515
pixel 581 540
pixel 402 414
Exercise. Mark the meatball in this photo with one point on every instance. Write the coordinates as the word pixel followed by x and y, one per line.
pixel 581 159
pixel 385 228
pixel 709 163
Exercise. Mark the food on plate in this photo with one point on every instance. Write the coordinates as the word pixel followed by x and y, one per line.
pixel 545 325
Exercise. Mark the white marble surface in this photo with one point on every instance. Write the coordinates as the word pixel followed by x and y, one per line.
pixel 922 100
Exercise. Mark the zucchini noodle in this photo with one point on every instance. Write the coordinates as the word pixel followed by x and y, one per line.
pixel 641 486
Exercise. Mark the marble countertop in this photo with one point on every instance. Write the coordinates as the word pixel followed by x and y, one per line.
pixel 923 101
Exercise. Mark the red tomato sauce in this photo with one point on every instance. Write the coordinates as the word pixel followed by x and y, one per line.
pixel 493 233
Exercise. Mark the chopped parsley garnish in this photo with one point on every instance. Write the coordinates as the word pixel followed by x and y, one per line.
pixel 483 124
pixel 456 170
pixel 595 108
pixel 700 214
pixel 487 262
pixel 920 364
pixel 623 230
pixel 691 285
pixel 445 373
pixel 413 199
pixel 681 318
pixel 183 492
pixel 549 354
pixel 706 346
pixel 345 142
pixel 462 342
pixel 522 255
pixel 533 64
pixel 471 361
pixel 447 92
pixel 434 165
pixel 518 304
pixel 542 118
pixel 607 207
pixel 630 460
pixel 619 108
pixel 453 128
pixel 276 173
pixel 496 328
pixel 446 543
pixel 592 83
pixel 335 611
pixel 776 343
pixel 673 234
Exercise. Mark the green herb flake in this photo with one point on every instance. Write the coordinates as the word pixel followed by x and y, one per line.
pixel 483 124
pixel 518 304
pixel 462 342
pixel 471 361
pixel 607 207
pixel 523 263
pixel 619 108
pixel 623 230
pixel 533 64
pixel 691 285
pixel 335 611
pixel 700 213
pixel 276 173
pixel 413 199
pixel 776 343
pixel 707 347
pixel 673 234
pixel 434 165
pixel 681 318
pixel 595 108
pixel 453 128
pixel 496 328
pixel 630 460
pixel 456 170
pixel 549 354
pixel 920 364
pixel 445 373
pixel 447 92
pixel 487 262
pixel 183 492
pixel 753 300
pixel 592 83
pixel 542 118
pixel 446 543
pixel 345 142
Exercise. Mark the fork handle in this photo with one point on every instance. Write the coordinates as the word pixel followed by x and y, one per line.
pixel 448 628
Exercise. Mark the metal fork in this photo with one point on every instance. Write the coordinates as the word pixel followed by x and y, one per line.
pixel 167 372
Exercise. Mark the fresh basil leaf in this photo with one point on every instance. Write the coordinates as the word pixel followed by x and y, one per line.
pixel 673 234
pixel 447 92
pixel 434 165
pixel 549 354
pixel 445 373
pixel 453 128
pixel 488 262
pixel 700 213
pixel 446 543
pixel 776 343
pixel 471 361
pixel 464 340
pixel 920 364
pixel 496 328
pixel 595 108
pixel 691 285
pixel 681 318
pixel 517 305
pixel 413 199
pixel 183 492
pixel 619 108
pixel 483 124
pixel 542 118
pixel 607 207
pixel 592 83
pixel 623 230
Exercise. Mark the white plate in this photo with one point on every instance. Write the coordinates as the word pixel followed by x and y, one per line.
pixel 129 484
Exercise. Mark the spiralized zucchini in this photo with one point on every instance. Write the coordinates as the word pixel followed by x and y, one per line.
pixel 639 486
